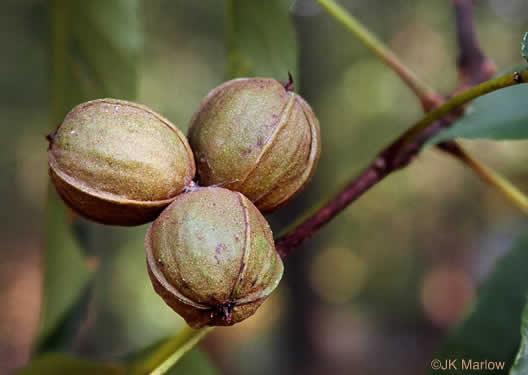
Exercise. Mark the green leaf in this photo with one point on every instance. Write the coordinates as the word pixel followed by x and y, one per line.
pixel 261 39
pixel 95 47
pixel 128 315
pixel 524 46
pixel 66 274
pixel 106 45
pixel 500 115
pixel 61 364
pixel 169 356
pixel 96 50
pixel 520 367
pixel 491 330
pixel 65 333
pixel 194 362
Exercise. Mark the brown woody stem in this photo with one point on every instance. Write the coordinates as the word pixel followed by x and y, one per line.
pixel 473 66
pixel 395 156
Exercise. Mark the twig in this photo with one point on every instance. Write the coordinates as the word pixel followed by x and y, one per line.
pixel 473 66
pixel 487 174
pixel 476 68
pixel 395 156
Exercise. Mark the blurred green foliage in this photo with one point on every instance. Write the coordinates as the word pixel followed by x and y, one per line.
pixel 491 331
pixel 194 362
pixel 52 364
pixel 261 39
pixel 94 50
pixel 66 273
pixel 129 315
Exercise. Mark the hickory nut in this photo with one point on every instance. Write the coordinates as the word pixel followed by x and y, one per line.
pixel 258 137
pixel 118 162
pixel 211 257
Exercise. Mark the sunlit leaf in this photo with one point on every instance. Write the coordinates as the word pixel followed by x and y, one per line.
pixel 61 364
pixel 501 115
pixel 261 39
pixel 491 330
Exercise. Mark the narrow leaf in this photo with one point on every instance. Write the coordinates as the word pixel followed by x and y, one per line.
pixel 65 272
pixel 520 367
pixel 65 332
pixel 501 115
pixel 95 47
pixel 61 364
pixel 106 46
pixel 122 281
pixel 165 356
pixel 194 362
pixel 261 39
pixel 491 330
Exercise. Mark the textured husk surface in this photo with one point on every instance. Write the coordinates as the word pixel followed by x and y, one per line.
pixel 211 251
pixel 254 136
pixel 118 162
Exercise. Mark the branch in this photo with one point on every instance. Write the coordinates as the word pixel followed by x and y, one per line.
pixel 401 152
pixel 397 155
pixel 473 66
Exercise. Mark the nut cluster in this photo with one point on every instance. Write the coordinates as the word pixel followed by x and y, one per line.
pixel 210 252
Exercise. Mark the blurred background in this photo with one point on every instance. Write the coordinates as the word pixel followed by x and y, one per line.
pixel 375 290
